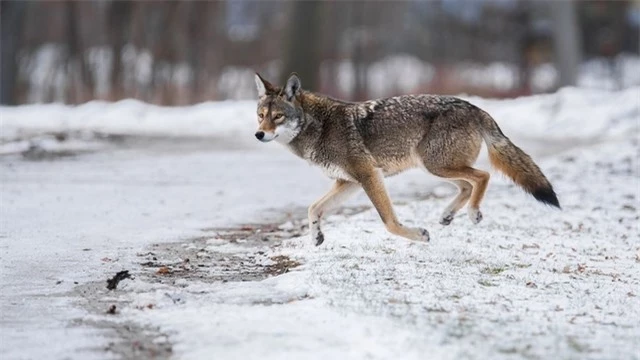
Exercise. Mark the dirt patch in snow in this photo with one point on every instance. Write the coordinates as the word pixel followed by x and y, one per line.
pixel 229 254
pixel 222 255
pixel 128 340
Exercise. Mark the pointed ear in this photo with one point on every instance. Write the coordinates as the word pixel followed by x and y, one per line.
pixel 263 86
pixel 292 89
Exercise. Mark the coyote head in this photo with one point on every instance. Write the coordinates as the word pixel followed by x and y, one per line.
pixel 279 110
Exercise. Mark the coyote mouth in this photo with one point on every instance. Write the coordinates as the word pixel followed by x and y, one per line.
pixel 265 140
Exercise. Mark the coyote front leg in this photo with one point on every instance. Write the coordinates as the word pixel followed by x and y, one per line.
pixel 340 191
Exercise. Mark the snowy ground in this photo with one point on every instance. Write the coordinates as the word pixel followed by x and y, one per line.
pixel 527 282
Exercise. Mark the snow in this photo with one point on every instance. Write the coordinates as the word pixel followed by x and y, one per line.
pixel 130 117
pixel 529 278
pixel 527 282
pixel 576 113
pixel 114 204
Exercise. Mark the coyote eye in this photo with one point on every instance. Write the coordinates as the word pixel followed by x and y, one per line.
pixel 278 118
pixel 260 117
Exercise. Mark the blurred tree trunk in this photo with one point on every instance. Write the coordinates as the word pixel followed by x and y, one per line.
pixel 525 46
pixel 197 47
pixel 358 56
pixel 333 28
pixel 119 20
pixel 216 46
pixel 566 41
pixel 76 58
pixel 173 55
pixel 303 43
pixel 12 14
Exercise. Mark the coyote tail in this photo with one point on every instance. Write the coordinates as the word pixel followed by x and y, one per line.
pixel 516 164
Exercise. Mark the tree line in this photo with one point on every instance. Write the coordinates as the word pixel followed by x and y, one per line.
pixel 184 52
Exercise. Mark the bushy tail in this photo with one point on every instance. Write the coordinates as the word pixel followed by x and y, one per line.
pixel 516 164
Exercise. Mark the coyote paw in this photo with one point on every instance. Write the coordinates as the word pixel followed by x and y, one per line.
pixel 319 238
pixel 447 218
pixel 424 235
pixel 475 215
pixel 419 234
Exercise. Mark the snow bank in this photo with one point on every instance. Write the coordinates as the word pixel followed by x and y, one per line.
pixel 572 113
pixel 129 117
pixel 568 115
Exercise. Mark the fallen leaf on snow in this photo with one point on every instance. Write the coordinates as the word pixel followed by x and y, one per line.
pixel 163 271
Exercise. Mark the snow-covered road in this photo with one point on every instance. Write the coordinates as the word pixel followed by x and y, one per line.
pixel 75 220
pixel 527 282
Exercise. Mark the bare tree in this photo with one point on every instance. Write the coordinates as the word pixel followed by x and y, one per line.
pixel 76 55
pixel 566 40
pixel 12 14
pixel 303 45
pixel 119 15
pixel 359 56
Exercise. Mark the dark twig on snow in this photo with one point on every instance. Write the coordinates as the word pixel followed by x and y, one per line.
pixel 113 282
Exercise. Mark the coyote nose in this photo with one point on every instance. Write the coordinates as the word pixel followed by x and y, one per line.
pixel 259 135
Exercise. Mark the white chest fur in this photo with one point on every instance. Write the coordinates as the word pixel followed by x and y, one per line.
pixel 335 172
pixel 330 170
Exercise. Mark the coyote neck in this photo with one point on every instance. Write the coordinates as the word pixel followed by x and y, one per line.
pixel 306 140
pixel 317 110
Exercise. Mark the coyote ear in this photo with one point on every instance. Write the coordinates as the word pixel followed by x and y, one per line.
pixel 263 86
pixel 292 89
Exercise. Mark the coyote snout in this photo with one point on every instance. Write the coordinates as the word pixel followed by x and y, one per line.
pixel 356 144
pixel 265 136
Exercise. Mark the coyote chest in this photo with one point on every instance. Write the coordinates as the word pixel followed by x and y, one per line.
pixel 388 169
pixel 335 172
pixel 330 169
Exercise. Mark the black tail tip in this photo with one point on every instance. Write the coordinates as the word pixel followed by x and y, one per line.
pixel 546 195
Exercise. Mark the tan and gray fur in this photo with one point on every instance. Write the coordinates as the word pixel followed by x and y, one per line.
pixel 357 144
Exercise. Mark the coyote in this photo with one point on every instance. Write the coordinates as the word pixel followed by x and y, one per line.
pixel 357 144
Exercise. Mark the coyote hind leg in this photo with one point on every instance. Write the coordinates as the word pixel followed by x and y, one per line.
pixel 478 179
pixel 465 190
pixel 449 151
